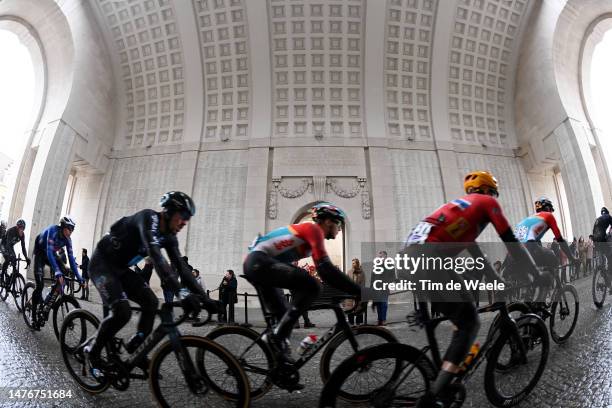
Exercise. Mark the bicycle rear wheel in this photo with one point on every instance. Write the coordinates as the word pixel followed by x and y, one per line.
pixel 76 328
pixel 600 287
pixel 61 308
pixel 170 388
pixel 564 314
pixel 18 287
pixel 4 290
pixel 508 380
pixel 390 374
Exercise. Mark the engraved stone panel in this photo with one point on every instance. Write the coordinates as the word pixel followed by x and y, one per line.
pixel 312 161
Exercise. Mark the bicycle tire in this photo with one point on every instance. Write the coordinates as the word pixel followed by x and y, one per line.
pixel 203 345
pixel 336 343
pixel 365 359
pixel 259 386
pixel 518 307
pixel 61 309
pixel 533 332
pixel 571 297
pixel 4 290
pixel 68 351
pixel 18 287
pixel 597 287
pixel 27 309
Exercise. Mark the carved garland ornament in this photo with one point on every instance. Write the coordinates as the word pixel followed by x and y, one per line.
pixel 317 183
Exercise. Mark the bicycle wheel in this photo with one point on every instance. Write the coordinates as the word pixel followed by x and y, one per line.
pixel 564 314
pixel 18 287
pixel 339 349
pixel 372 370
pixel 27 308
pixel 4 290
pixel 61 308
pixel 600 287
pixel 76 327
pixel 170 389
pixel 253 354
pixel 509 386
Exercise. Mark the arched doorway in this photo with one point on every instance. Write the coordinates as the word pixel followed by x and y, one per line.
pixel 335 247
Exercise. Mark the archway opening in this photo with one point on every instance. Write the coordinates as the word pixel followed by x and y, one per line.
pixel 335 247
pixel 17 94
pixel 601 94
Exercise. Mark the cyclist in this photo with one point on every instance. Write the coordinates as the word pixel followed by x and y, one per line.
pixel 130 240
pixel 13 235
pixel 600 235
pixel 461 221
pixel 531 230
pixel 46 246
pixel 269 265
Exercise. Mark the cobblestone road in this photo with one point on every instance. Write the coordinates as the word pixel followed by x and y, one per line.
pixel 578 374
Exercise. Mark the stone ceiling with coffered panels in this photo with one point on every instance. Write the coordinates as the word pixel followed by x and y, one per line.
pixel 316 52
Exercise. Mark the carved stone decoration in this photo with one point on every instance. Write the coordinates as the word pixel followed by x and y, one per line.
pixel 320 187
pixel 336 188
pixel 273 199
pixel 297 192
pixel 366 210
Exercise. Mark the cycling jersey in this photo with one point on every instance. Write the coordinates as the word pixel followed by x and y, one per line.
pixel 534 227
pixel 10 239
pixel 137 236
pixel 51 241
pixel 463 219
pixel 601 227
pixel 292 243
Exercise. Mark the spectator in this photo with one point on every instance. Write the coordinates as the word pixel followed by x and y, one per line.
pixel 589 253
pixel 198 278
pixel 582 255
pixel 357 275
pixel 382 304
pixel 85 275
pixel 312 271
pixel 228 296
pixel 573 248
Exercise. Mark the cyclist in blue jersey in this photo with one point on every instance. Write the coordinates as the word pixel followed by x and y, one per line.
pixel 46 245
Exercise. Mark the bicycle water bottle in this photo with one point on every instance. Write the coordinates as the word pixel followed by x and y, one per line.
pixel 306 343
pixel 471 355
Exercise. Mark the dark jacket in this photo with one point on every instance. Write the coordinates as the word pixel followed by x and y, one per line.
pixel 85 266
pixel 228 293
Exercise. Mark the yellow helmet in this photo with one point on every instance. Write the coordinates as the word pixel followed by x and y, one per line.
pixel 480 182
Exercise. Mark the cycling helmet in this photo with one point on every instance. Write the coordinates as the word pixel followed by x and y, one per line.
pixel 176 201
pixel 544 204
pixel 67 222
pixel 476 180
pixel 21 223
pixel 322 211
pixel 604 210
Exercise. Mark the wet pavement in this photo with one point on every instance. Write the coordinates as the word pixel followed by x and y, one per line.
pixel 578 373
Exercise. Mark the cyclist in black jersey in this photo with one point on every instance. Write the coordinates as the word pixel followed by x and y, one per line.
pixel 13 236
pixel 600 235
pixel 130 240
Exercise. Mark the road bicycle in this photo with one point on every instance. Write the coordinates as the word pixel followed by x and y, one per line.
pixel 265 369
pixel 397 374
pixel 13 283
pixel 601 280
pixel 199 375
pixel 59 302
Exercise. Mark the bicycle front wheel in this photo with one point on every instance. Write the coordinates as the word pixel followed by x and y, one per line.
pixel 390 374
pixel 4 289
pixel 27 306
pixel 564 314
pixel 509 376
pixel 600 287
pixel 61 308
pixel 169 386
pixel 18 287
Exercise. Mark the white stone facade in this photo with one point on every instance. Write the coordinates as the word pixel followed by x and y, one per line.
pixel 259 108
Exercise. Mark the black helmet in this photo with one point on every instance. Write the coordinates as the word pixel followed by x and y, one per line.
pixel 544 204
pixel 21 223
pixel 67 222
pixel 174 201
pixel 604 210
pixel 322 211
